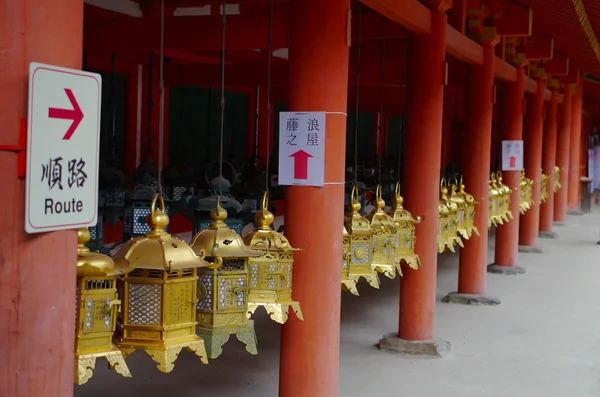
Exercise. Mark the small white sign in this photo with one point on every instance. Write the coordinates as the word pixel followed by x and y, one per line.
pixel 512 155
pixel 302 148
pixel 63 144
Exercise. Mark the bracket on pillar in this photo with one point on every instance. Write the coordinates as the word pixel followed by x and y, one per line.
pixel 552 84
pixel 21 149
pixel 536 70
pixel 513 51
pixel 476 25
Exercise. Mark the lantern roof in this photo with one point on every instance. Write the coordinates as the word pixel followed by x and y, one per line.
pixel 378 218
pixel 157 249
pixel 92 263
pixel 402 217
pixel 219 241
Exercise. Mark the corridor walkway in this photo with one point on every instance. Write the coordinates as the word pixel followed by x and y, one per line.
pixel 543 341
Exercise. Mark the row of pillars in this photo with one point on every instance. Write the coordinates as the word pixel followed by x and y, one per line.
pixel 37 289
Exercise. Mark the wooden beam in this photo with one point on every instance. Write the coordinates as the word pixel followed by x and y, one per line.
pixel 411 14
pixel 462 47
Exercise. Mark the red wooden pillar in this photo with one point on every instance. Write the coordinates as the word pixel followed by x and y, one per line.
pixel 575 149
pixel 309 361
pixel 507 235
pixel 563 150
pixel 534 124
pixel 478 138
pixel 548 162
pixel 37 291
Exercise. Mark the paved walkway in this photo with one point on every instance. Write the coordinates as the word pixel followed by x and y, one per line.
pixel 543 341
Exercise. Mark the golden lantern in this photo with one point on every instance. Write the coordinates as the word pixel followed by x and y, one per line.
pixel 544 188
pixel 271 273
pixel 158 294
pixel 504 202
pixel 526 193
pixel 385 239
pixel 557 184
pixel 466 203
pixel 223 289
pixel 405 223
pixel 443 226
pixel 97 306
pixel 452 237
pixel 358 245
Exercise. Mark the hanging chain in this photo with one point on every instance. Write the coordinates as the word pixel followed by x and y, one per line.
pixel 161 86
pixel 113 101
pixel 381 94
pixel 402 84
pixel 268 134
pixel 357 91
pixel 222 128
pixel 149 148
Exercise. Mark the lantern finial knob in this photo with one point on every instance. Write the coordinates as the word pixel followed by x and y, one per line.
pixel 379 202
pixel 83 236
pixel 158 220
pixel 354 203
pixel 264 218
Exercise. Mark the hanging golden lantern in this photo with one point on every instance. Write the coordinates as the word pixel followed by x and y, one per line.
pixel 223 290
pixel 270 284
pixel 443 226
pixel 544 188
pixel 97 306
pixel 492 201
pixel 504 193
pixel 405 223
pixel 452 237
pixel 159 294
pixel 557 184
pixel 461 197
pixel 526 193
pixel 358 242
pixel 385 239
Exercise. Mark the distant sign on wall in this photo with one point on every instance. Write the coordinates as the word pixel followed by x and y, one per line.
pixel 512 155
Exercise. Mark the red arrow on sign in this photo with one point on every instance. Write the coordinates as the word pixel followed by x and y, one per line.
pixel 76 115
pixel 512 161
pixel 300 164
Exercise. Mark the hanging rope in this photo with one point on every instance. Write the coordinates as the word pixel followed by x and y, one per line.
pixel 223 26
pixel 161 83
pixel 444 131
pixel 454 117
pixel 402 85
pixel 498 129
pixel 113 102
pixel 381 94
pixel 356 99
pixel 268 134
pixel 149 148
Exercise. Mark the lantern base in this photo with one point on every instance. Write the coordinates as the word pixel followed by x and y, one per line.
pixel 349 285
pixel 505 270
pixel 85 364
pixel 215 338
pixel 412 261
pixel 392 343
pixel 471 299
pixel 277 311
pixel 529 249
pixel 389 271
pixel 165 357
pixel 552 235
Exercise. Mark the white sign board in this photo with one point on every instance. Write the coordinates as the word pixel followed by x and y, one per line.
pixel 302 148
pixel 512 155
pixel 63 142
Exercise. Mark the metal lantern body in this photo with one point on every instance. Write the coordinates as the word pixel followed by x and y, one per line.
pixel 467 201
pixel 443 226
pixel 557 184
pixel 358 249
pixel 159 295
pixel 504 192
pixel 405 224
pixel 96 310
pixel 385 239
pixel 138 205
pixel 270 275
pixel 452 238
pixel 544 188
pixel 526 193
pixel 222 305
pixel 494 206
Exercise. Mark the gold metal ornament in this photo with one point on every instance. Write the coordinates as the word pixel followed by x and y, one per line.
pixel 223 289
pixel 358 249
pixel 452 237
pixel 461 197
pixel 443 226
pixel 271 273
pixel 526 193
pixel 494 219
pixel 405 223
pixel 557 184
pixel 544 188
pixel 385 239
pixel 97 306
pixel 505 193
pixel 159 294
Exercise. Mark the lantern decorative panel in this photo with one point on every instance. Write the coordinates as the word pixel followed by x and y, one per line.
pixel 222 305
pixel 96 310
pixel 544 188
pixel 443 227
pixel 504 193
pixel 452 238
pixel 385 239
pixel 494 217
pixel 526 193
pixel 557 184
pixel 270 275
pixel 405 223
pixel 159 294
pixel 358 248
pixel 466 204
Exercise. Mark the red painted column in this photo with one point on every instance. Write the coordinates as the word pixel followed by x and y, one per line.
pixel 507 235
pixel 309 359
pixel 534 125
pixel 575 149
pixel 421 177
pixel 37 272
pixel 478 137
pixel 563 150
pixel 549 161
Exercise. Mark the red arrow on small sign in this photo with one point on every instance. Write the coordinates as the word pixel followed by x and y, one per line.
pixel 512 160
pixel 301 164
pixel 76 115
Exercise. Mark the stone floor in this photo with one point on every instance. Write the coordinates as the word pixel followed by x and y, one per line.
pixel 542 341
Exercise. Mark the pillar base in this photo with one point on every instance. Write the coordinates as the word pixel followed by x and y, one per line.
pixel 505 270
pixel 530 249
pixel 575 212
pixel 552 235
pixel 471 299
pixel 435 348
